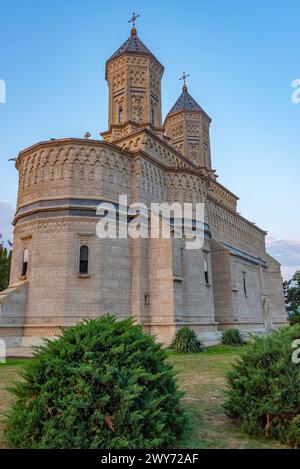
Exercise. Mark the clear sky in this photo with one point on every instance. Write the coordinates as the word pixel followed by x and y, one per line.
pixel 242 57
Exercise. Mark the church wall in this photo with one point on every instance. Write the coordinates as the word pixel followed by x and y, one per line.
pixel 115 280
pixel 57 294
pixel 237 304
pixel 77 172
pixel 140 289
pixel 275 300
pixel 13 306
pixel 13 302
pixel 222 284
pixel 161 292
pixel 198 301
pixel 47 276
pixel 151 181
pixel 179 277
pixel 247 303
pixel 245 311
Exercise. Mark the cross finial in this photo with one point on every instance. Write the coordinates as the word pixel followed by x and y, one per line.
pixel 184 77
pixel 133 20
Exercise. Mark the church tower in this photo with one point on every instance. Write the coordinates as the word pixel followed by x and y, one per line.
pixel 187 127
pixel 134 78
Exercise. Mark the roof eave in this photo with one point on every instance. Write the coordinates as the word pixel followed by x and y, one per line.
pixel 200 111
pixel 111 59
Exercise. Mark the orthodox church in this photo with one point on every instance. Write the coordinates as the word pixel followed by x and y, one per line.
pixel 62 272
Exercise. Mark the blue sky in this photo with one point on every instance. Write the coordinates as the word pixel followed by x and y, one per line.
pixel 241 56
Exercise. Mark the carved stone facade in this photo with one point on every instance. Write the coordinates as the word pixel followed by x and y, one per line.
pixel 134 78
pixel 187 126
pixel 230 282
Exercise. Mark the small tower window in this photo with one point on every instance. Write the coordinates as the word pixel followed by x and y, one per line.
pixel 152 117
pixel 245 283
pixel 24 263
pixel 120 115
pixel 206 275
pixel 84 260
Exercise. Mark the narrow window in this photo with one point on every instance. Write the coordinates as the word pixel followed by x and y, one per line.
pixel 120 115
pixel 84 260
pixel 152 118
pixel 147 299
pixel 244 283
pixel 24 263
pixel 206 276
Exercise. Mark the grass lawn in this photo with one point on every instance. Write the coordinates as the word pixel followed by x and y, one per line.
pixel 9 373
pixel 201 376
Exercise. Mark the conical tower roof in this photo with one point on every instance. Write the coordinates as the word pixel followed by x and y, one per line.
pixel 185 102
pixel 133 45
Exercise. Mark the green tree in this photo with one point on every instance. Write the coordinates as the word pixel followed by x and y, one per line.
pixel 5 263
pixel 103 384
pixel 292 293
pixel 263 387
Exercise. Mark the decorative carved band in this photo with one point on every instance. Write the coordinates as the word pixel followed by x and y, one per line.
pixel 30 331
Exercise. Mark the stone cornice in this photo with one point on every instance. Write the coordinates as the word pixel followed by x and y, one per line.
pixel 133 54
pixel 67 141
pixel 189 111
pixel 128 124
pixel 217 183
pixel 237 215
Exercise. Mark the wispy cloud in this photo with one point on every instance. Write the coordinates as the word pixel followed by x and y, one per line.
pixel 287 252
pixel 6 216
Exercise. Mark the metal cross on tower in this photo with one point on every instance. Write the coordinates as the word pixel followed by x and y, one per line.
pixel 133 19
pixel 184 77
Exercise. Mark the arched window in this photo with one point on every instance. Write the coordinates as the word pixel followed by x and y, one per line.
pixel 120 115
pixel 84 260
pixel 152 117
pixel 206 275
pixel 24 263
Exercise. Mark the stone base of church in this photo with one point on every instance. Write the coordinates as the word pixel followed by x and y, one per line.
pixel 27 336
pixel 165 333
pixel 33 335
pixel 254 327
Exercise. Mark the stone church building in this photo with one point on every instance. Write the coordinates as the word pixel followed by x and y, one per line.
pixel 62 272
